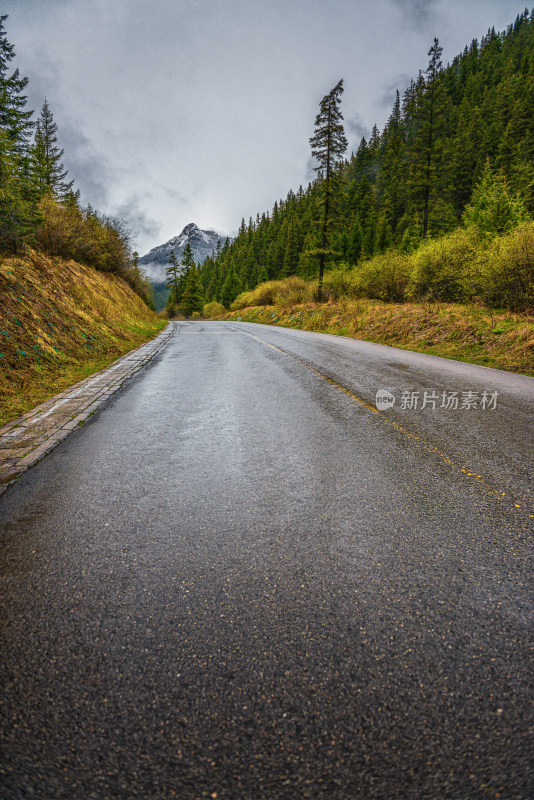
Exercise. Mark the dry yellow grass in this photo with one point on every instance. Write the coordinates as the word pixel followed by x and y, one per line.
pixel 61 321
pixel 475 334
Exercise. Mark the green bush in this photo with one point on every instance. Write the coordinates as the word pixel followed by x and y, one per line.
pixel 444 269
pixel 463 266
pixel 341 282
pixel 507 278
pixel 289 291
pixel 213 309
pixel 90 238
pixel 384 277
pixel 262 295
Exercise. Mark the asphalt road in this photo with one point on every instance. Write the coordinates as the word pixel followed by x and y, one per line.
pixel 239 580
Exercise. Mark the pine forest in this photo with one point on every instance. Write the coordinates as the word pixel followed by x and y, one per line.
pixel 435 205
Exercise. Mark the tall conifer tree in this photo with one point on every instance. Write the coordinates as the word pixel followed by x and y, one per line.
pixel 172 274
pixel 429 114
pixel 48 171
pixel 328 146
pixel 192 299
pixel 17 196
pixel 14 118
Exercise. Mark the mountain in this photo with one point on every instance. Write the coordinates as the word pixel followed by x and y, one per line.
pixel 203 243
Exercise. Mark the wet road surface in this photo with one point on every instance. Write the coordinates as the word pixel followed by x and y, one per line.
pixel 240 581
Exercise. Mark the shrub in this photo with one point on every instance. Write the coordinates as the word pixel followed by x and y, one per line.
pixel 213 309
pixel 508 275
pixel 384 277
pixel 443 269
pixel 90 238
pixel 465 265
pixel 289 291
pixel 341 282
pixel 262 295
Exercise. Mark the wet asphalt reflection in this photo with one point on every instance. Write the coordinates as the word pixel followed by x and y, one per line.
pixel 237 581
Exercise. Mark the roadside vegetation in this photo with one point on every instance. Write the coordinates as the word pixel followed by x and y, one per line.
pixel 468 295
pixel 467 266
pixel 59 322
pixel 455 156
pixel 39 208
pixel 72 295
pixel 471 333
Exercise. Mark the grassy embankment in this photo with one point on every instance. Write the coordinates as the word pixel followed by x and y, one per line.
pixel 59 322
pixel 467 296
pixel 474 334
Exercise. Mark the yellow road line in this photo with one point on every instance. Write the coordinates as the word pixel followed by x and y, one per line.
pixel 430 448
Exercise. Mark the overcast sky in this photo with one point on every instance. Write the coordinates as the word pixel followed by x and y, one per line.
pixel 178 111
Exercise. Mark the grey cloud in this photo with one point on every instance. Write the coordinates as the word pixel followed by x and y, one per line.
pixel 357 127
pixel 310 174
pixel 39 86
pixel 421 13
pixel 174 194
pixel 88 168
pixel 390 90
pixel 139 221
pixel 156 272
pixel 91 170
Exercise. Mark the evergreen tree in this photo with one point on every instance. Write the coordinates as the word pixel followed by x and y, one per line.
pixel 391 175
pixel 355 248
pixel 172 274
pixel 18 200
pixel 493 208
pixel 192 299
pixel 231 288
pixel 48 171
pixel 430 103
pixel 328 146
pixel 291 252
pixel 262 275
pixel 188 259
pixel 14 118
pixel 384 234
pixel 248 266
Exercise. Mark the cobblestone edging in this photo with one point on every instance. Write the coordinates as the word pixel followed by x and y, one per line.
pixel 25 440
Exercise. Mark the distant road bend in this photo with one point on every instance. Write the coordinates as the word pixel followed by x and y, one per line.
pixel 241 580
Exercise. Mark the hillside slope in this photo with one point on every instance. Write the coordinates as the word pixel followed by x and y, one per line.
pixel 477 335
pixel 60 321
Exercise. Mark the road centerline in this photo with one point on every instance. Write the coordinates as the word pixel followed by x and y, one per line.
pixel 427 446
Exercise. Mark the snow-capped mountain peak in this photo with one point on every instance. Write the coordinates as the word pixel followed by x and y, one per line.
pixel 202 243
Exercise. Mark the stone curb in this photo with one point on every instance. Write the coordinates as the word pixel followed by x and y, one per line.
pixel 25 440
